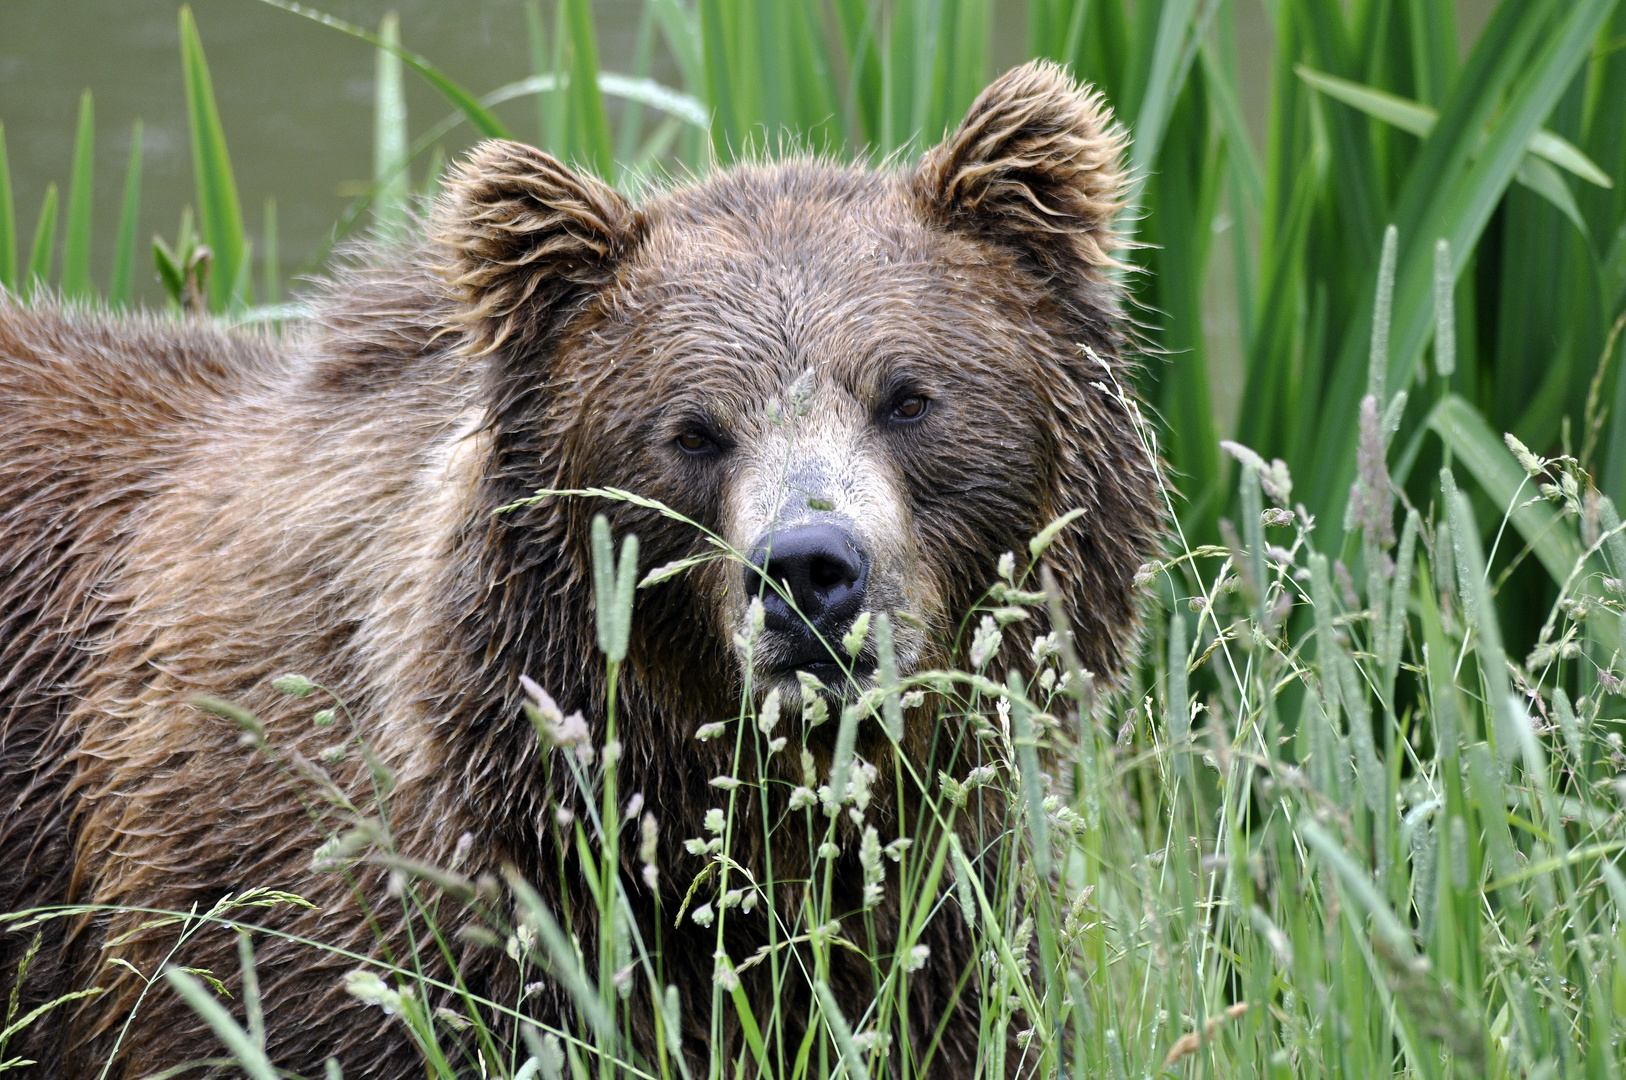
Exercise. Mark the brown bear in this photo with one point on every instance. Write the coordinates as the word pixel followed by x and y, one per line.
pixel 874 382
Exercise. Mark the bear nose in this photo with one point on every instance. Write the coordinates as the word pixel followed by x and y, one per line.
pixel 824 570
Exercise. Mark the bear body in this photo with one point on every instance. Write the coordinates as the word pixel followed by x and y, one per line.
pixel 872 383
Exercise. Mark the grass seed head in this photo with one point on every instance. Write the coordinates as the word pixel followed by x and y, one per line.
pixel 984 642
pixel 768 715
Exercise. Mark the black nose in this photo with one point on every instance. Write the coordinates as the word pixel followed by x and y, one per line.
pixel 823 569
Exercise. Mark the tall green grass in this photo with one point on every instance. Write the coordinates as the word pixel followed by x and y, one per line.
pixel 1358 811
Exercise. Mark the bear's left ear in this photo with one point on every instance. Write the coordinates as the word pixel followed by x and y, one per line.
pixel 521 235
pixel 1035 166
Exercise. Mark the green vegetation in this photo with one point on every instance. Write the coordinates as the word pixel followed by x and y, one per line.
pixel 1358 809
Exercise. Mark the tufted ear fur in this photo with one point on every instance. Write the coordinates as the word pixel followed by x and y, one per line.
pixel 1035 165
pixel 520 235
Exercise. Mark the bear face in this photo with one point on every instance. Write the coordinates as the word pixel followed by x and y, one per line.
pixel 868 384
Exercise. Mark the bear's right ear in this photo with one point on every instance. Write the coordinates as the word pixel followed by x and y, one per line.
pixel 1036 167
pixel 521 234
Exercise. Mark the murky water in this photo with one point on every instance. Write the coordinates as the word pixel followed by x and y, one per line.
pixel 295 99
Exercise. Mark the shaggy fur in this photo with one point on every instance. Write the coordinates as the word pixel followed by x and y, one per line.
pixel 186 510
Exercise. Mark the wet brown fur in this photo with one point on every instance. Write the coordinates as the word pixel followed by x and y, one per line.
pixel 190 510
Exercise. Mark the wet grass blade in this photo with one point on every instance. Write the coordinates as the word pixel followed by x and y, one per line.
pixel 8 220
pixel 44 247
pixel 81 198
pixel 590 144
pixel 124 250
pixel 220 219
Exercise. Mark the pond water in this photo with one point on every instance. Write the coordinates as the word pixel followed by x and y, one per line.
pixel 295 99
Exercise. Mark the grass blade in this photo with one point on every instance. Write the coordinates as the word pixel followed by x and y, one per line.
pixel 564 963
pixel 717 35
pixel 1419 120
pixel 1544 180
pixel 44 247
pixel 220 219
pixel 632 113
pixel 1378 104
pixel 1566 155
pixel 840 1031
pixel 1552 539
pixel 1172 55
pixel 1240 156
pixel 124 250
pixel 390 179
pixel 81 197
pixel 1361 888
pixel 590 144
pixel 1477 601
pixel 1476 196
pixel 237 1041
pixel 1433 47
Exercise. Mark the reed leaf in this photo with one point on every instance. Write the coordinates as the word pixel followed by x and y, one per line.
pixel 124 249
pixel 81 198
pixel 43 249
pixel 220 219
pixel 391 180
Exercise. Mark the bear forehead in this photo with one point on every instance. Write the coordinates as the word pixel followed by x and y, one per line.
pixel 814 225
pixel 764 271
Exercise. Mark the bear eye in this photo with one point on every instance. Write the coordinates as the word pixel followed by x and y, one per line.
pixel 695 442
pixel 911 408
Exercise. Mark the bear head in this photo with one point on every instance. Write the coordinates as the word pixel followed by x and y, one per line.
pixel 868 384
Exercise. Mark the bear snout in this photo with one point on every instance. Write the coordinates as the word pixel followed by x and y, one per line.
pixel 822 576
